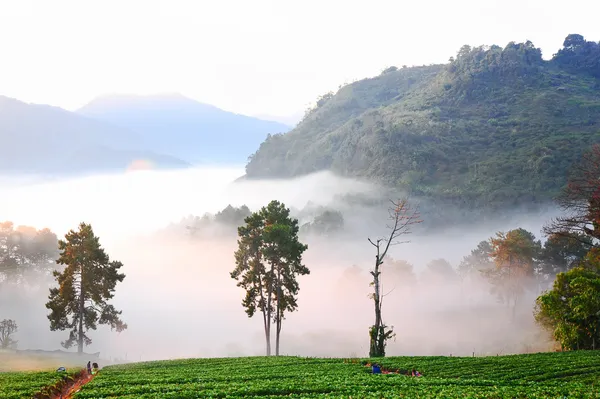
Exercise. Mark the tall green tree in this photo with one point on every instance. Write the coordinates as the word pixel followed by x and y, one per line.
pixel 80 301
pixel 571 309
pixel 402 217
pixel 268 262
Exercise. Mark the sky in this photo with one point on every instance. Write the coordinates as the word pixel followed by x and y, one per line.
pixel 258 57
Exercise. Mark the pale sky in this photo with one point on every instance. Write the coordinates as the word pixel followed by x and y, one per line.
pixel 253 56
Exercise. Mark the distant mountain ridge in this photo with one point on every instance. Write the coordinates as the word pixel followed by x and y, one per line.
pixel 41 139
pixel 494 128
pixel 181 127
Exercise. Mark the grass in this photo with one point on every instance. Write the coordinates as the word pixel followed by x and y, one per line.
pixel 550 375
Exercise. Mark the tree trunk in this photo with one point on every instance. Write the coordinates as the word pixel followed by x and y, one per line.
pixel 279 312
pixel 375 335
pixel 265 319
pixel 269 311
pixel 81 314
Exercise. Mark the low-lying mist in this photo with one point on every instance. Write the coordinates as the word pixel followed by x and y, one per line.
pixel 179 300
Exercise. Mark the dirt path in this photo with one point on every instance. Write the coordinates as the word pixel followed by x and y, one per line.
pixel 64 389
pixel 73 387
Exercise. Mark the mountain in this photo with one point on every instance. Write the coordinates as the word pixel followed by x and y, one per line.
pixel 40 139
pixel 289 120
pixel 493 128
pixel 181 127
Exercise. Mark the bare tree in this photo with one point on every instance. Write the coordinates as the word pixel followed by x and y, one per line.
pixel 7 329
pixel 580 201
pixel 402 216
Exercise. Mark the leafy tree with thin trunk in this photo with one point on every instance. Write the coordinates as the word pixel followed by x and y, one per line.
pixel 268 261
pixel 402 217
pixel 84 287
pixel 7 329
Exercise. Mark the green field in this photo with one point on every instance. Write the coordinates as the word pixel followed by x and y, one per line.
pixel 551 375
pixel 19 385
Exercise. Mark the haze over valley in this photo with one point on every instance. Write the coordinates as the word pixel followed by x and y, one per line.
pixel 207 180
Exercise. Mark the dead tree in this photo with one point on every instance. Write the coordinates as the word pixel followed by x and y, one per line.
pixel 580 201
pixel 402 216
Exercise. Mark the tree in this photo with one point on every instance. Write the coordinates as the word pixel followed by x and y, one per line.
pixel 400 272
pixel 402 217
pixel 84 287
pixel 326 223
pixel 268 261
pixel 441 270
pixel 561 253
pixel 580 201
pixel 478 260
pixel 7 329
pixel 571 310
pixel 515 255
pixel 25 253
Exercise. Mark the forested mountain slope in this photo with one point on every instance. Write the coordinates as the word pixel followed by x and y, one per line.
pixel 494 127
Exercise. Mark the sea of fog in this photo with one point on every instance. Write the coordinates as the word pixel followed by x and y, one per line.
pixel 179 300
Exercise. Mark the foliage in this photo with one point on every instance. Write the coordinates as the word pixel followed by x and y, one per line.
pixel 515 255
pixel 579 56
pixel 84 287
pixel 402 217
pixel 495 128
pixel 233 216
pixel 26 384
pixel 268 261
pixel 325 223
pixel 571 310
pixel 7 329
pixel 441 270
pixel 549 375
pixel 563 252
pixel 399 272
pixel 25 253
pixel 480 259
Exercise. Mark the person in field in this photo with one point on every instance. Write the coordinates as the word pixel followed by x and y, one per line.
pixel 376 369
pixel 94 368
pixel 89 368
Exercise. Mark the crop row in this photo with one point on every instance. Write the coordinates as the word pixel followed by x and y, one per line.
pixel 18 385
pixel 333 378
pixel 583 366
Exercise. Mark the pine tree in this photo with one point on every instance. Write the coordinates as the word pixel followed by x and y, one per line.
pixel 84 287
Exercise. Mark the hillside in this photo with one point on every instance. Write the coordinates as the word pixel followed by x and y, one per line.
pixel 495 127
pixel 547 375
pixel 41 139
pixel 184 128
